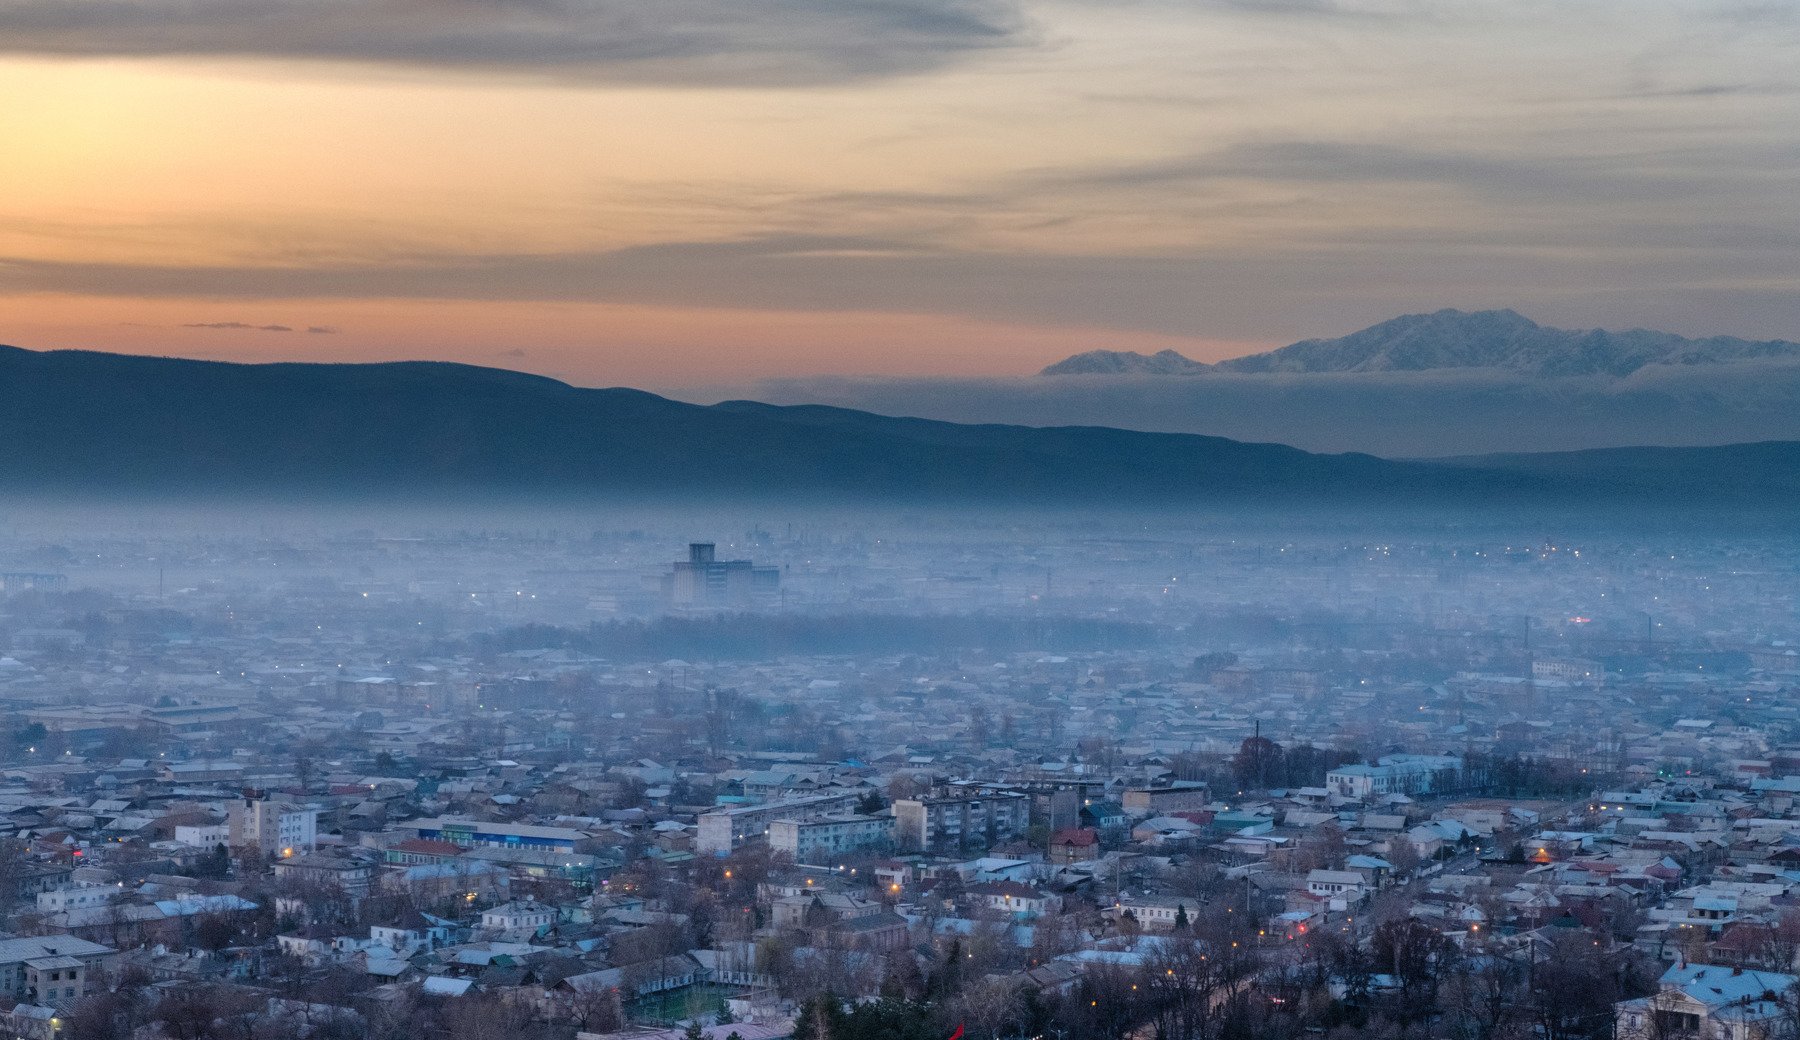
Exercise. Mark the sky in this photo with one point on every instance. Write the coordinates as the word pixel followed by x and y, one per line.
pixel 701 192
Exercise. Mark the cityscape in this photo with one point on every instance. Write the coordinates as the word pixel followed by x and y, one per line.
pixel 899 520
pixel 865 775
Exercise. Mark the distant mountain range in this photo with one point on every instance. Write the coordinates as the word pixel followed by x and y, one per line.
pixel 1127 363
pixel 1502 340
pixel 90 424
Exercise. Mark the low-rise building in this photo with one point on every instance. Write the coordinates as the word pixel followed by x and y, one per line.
pixel 723 830
pixel 54 970
pixel 1708 1001
pixel 1396 774
pixel 519 914
pixel 1140 802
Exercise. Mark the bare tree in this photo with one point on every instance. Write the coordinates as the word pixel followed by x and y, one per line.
pixel 592 1008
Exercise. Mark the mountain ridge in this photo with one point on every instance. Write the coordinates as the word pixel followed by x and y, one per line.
pixel 86 420
pixel 93 423
pixel 1449 339
pixel 1125 362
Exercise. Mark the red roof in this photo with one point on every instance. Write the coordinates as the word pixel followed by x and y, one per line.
pixel 1744 937
pixel 1080 837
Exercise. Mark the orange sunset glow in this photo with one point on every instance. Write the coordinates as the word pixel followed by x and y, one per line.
pixel 931 187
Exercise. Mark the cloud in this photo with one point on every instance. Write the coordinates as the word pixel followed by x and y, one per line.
pixel 1413 414
pixel 1670 279
pixel 513 353
pixel 1306 8
pixel 689 42
pixel 1501 175
pixel 244 326
pixel 238 326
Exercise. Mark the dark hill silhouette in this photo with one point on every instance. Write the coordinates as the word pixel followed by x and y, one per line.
pixel 1770 467
pixel 90 423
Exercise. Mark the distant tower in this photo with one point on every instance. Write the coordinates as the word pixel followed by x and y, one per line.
pixel 705 582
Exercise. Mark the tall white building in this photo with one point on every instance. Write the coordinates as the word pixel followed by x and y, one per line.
pixel 276 828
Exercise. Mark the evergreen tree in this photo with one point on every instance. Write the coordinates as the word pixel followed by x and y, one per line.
pixel 946 981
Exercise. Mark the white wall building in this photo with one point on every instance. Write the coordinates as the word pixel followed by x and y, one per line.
pixel 277 828
pixel 1396 774
pixel 822 840
pixel 519 914
pixel 204 836
pixel 76 897
pixel 723 830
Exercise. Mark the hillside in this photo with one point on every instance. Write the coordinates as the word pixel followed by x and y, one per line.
pixel 89 422
pixel 100 424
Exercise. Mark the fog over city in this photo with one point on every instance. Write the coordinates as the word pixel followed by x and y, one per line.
pixel 550 770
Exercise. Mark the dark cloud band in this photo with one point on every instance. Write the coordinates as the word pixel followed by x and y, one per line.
pixel 244 326
pixel 698 42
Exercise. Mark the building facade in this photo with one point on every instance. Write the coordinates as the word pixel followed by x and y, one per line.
pixel 702 581
pixel 820 840
pixel 1708 1002
pixel 274 828
pixel 723 830
pixel 952 823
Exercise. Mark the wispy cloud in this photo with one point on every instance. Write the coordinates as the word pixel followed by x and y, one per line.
pixel 1668 279
pixel 236 326
pixel 244 326
pixel 699 42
